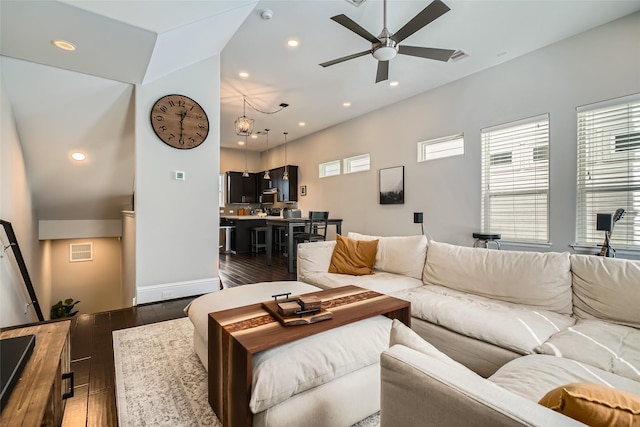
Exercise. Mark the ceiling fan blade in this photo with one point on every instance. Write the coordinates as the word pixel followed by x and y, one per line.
pixel 429 14
pixel 350 24
pixel 427 52
pixel 346 58
pixel 383 71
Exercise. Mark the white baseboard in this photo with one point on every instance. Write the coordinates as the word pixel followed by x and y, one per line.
pixel 165 291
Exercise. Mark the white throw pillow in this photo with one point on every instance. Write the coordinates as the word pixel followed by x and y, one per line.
pixel 403 335
pixel 403 255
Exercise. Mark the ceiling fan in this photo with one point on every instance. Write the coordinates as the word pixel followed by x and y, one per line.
pixel 386 46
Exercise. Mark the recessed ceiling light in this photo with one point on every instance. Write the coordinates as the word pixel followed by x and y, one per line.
pixel 243 74
pixel 254 136
pixel 240 142
pixel 394 83
pixel 78 156
pixel 293 43
pixel 64 45
pixel 302 124
pixel 346 104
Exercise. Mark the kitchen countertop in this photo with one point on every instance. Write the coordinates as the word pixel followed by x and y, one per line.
pixel 245 217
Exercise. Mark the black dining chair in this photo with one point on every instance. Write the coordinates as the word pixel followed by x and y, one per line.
pixel 315 230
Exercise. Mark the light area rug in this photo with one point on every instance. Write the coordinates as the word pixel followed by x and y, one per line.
pixel 160 380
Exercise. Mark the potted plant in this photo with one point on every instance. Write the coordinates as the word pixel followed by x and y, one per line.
pixel 63 309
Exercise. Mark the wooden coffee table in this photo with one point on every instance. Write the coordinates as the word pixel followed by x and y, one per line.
pixel 235 335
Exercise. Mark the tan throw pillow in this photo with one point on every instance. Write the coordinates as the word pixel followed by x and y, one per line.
pixel 354 257
pixel 594 404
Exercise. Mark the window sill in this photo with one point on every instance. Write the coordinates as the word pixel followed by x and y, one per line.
pixel 626 253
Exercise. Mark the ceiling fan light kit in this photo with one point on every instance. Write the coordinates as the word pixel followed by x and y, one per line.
pixel 386 46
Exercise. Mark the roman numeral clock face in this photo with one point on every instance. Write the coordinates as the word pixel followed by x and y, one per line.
pixel 179 121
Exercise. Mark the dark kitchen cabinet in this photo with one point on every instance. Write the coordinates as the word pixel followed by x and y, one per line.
pixel 287 190
pixel 241 189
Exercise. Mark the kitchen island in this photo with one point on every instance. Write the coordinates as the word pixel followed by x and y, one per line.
pixel 241 234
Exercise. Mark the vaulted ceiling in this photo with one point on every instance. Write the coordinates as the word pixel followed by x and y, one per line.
pixel 82 100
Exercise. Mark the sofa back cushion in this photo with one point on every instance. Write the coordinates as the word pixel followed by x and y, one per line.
pixel 403 255
pixel 531 278
pixel 607 289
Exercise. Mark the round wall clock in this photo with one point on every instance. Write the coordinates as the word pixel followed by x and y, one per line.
pixel 179 121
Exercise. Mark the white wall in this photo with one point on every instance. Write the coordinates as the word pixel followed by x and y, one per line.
pixel 16 207
pixel 177 221
pixel 97 284
pixel 128 259
pixel 234 160
pixel 600 64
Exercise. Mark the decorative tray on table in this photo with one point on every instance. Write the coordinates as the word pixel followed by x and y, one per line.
pixel 301 310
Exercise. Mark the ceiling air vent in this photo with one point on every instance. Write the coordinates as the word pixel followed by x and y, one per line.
pixel 80 252
pixel 355 2
pixel 457 56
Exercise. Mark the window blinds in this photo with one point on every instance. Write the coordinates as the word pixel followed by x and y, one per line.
pixel 608 172
pixel 515 180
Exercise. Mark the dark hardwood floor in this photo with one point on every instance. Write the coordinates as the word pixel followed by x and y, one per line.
pixel 94 403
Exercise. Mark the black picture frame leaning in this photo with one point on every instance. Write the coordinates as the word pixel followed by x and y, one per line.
pixel 391 185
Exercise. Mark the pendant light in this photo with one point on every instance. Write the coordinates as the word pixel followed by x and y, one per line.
pixel 266 171
pixel 245 174
pixel 285 175
pixel 243 124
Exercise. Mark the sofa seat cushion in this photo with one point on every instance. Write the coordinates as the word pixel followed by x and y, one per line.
pixel 292 368
pixel 533 376
pixel 512 326
pixel 537 279
pixel 607 289
pixel 379 281
pixel 402 255
pixel 613 348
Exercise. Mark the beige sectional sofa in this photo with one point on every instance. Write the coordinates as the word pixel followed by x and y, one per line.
pixel 525 321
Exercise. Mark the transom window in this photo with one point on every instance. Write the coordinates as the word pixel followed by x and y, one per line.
pixel 356 163
pixel 515 180
pixel 441 147
pixel 329 169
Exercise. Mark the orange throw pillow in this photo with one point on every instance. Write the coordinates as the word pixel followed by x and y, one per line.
pixel 595 405
pixel 354 257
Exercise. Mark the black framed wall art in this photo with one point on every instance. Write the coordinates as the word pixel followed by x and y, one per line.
pixel 391 184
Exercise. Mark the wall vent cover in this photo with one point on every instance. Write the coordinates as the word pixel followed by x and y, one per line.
pixel 79 252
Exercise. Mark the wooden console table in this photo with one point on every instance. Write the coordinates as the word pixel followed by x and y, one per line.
pixel 235 335
pixel 36 399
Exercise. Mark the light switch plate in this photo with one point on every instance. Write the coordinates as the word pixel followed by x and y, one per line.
pixel 179 175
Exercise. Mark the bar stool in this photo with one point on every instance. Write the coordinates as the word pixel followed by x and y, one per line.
pixel 227 238
pixel 256 232
pixel 280 240
pixel 485 239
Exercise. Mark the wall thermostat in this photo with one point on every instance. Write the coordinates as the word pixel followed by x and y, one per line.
pixel 179 175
